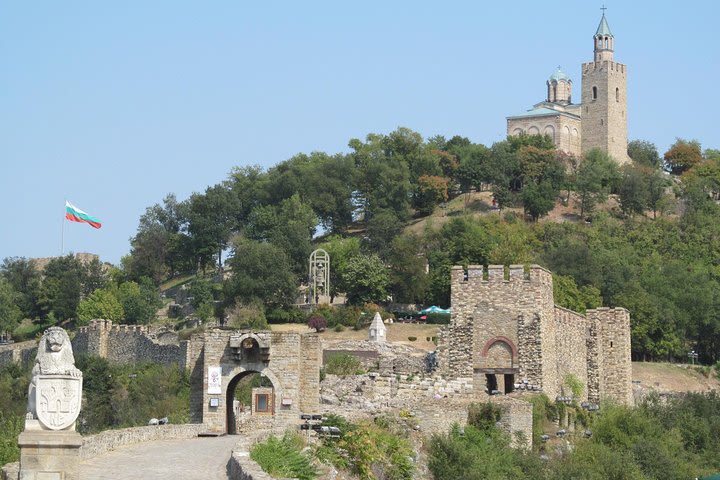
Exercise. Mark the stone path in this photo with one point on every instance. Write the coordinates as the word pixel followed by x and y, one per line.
pixel 186 459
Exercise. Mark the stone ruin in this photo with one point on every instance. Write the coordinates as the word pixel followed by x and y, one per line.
pixel 506 333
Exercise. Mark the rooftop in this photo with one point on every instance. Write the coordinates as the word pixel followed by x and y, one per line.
pixel 603 29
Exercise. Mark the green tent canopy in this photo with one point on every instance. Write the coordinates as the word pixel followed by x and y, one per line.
pixel 434 309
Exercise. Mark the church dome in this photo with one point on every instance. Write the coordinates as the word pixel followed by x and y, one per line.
pixel 559 75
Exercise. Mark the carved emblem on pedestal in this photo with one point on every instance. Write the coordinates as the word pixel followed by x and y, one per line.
pixel 57 399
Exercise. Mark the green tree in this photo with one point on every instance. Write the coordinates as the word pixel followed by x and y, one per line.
pixel 211 220
pixel 140 301
pixel 10 314
pixel 290 226
pixel 567 294
pixel 644 153
pixel 160 248
pixel 596 175
pixel 25 279
pixel 261 271
pixel 430 191
pixel 382 228
pixel 538 199
pixel 62 287
pixel 407 263
pixel 101 304
pixel 634 194
pixel 474 170
pixel 367 279
pixel 657 183
pixel 383 172
pixel 341 250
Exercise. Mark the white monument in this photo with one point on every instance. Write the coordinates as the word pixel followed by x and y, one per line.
pixel 49 445
pixel 378 331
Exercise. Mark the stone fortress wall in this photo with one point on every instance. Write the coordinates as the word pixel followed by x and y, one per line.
pixel 505 324
pixel 130 344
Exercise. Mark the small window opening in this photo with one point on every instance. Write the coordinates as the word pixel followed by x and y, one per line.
pixel 611 343
pixel 262 403
pixel 617 94
pixel 594 93
pixel 601 122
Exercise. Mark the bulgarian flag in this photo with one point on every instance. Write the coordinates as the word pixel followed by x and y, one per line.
pixel 74 214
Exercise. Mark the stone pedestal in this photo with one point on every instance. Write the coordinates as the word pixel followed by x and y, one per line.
pixel 49 455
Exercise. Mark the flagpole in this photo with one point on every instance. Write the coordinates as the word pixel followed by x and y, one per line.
pixel 62 236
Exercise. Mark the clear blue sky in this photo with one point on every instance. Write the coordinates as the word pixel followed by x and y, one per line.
pixel 112 105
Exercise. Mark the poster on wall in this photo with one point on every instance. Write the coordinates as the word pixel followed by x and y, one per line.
pixel 214 380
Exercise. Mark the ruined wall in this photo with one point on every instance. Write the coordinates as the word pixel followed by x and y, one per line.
pixel 571 331
pixel 505 318
pixel 127 344
pixel 21 352
pixel 609 366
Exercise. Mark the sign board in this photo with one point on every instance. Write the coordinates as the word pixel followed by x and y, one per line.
pixel 214 380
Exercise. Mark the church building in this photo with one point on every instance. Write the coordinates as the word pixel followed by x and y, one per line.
pixel 599 121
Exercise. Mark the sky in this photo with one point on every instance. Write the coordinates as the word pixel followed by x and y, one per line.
pixel 113 105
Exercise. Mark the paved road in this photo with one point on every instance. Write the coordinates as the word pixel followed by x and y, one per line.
pixel 189 459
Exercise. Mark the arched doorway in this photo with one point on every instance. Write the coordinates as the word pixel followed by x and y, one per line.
pixel 499 365
pixel 249 394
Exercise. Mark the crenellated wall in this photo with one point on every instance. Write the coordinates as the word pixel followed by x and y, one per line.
pixel 504 322
pixel 128 344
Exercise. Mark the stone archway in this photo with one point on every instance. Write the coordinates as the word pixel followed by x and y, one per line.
pixel 291 361
pixel 261 399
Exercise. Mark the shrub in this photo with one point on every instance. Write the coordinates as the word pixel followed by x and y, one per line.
pixel 10 428
pixel 438 318
pixel 339 328
pixel 283 458
pixel 412 339
pixel 285 315
pixel 317 322
pixel 343 364
pixel 371 450
pixel 483 416
pixel 247 316
pixel 574 384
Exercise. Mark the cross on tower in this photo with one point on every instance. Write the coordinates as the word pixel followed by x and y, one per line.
pixel 603 8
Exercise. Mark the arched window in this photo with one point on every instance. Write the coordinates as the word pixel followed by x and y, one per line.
pixel 617 94
pixel 606 42
pixel 554 93
pixel 594 93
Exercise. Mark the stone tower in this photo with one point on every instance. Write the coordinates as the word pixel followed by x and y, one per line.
pixel 604 98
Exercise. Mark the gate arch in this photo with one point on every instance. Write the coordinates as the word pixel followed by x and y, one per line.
pixel 232 379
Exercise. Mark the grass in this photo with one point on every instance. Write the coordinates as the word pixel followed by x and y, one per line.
pixel 174 282
pixel 28 330
pixel 283 457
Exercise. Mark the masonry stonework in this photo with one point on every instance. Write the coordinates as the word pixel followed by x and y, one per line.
pixel 506 330
pixel 291 361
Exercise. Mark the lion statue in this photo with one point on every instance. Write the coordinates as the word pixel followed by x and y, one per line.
pixel 54 357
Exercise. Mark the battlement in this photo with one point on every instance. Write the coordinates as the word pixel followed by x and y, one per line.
pixel 97 325
pixel 129 329
pixel 606 313
pixel 590 67
pixel 499 274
